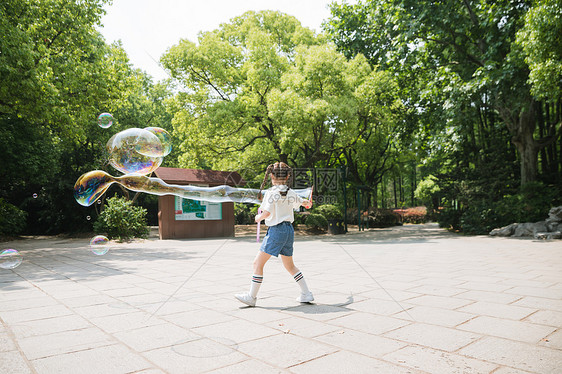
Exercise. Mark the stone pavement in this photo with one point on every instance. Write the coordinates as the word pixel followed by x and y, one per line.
pixel 411 299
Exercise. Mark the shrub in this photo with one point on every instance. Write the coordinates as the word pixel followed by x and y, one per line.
pixel 449 219
pixel 12 219
pixel 316 222
pixel 329 211
pixel 413 215
pixel 383 218
pixel 480 216
pixel 243 214
pixel 122 220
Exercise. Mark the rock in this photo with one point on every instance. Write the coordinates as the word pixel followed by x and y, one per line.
pixel 553 226
pixel 548 235
pixel 555 214
pixel 548 229
pixel 524 229
pixel 504 231
pixel 530 228
pixel 539 227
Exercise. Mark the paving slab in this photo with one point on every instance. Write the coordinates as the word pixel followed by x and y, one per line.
pixel 523 356
pixel 434 361
pixel 409 299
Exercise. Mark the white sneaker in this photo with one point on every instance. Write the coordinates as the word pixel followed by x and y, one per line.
pixel 305 297
pixel 246 299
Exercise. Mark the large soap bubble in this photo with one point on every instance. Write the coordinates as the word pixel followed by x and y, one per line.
pixel 10 259
pixel 105 120
pixel 164 137
pixel 133 150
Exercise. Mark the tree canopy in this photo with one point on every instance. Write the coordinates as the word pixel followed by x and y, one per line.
pixel 264 88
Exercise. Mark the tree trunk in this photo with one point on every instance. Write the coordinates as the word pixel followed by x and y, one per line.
pixel 522 127
pixel 529 157
pixel 394 188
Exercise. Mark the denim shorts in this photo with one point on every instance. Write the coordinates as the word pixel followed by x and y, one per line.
pixel 279 240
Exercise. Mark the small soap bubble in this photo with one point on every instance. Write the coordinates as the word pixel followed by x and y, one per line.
pixel 88 218
pixel 10 259
pixel 99 245
pixel 99 202
pixel 105 120
pixel 35 196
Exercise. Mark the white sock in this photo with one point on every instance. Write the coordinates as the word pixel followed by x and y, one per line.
pixel 301 282
pixel 255 285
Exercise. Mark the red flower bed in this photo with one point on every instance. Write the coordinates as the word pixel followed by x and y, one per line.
pixel 413 215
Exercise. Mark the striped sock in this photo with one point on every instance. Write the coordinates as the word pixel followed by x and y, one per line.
pixel 255 284
pixel 301 282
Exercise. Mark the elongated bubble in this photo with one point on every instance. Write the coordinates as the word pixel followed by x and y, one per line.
pixel 133 151
pixel 90 186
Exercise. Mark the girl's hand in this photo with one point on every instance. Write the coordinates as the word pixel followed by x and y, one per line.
pixel 263 215
pixel 307 204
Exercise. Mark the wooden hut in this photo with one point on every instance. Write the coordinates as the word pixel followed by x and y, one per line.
pixel 184 218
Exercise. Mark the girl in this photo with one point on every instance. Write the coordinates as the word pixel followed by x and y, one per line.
pixel 277 210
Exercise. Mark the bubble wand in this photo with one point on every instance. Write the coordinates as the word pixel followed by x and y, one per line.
pixel 258 229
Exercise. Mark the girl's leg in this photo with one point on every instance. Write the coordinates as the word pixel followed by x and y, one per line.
pixel 250 297
pixel 257 277
pixel 289 264
pixel 259 262
pixel 306 295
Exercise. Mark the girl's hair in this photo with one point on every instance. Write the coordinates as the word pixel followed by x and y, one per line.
pixel 279 170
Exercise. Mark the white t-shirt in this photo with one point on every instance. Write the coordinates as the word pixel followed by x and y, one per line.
pixel 280 207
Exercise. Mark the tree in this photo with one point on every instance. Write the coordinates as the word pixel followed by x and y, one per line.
pixel 542 48
pixel 465 49
pixel 58 75
pixel 263 88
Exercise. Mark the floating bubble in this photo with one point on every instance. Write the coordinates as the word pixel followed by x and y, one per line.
pixel 131 150
pixel 99 245
pixel 90 186
pixel 105 120
pixel 88 218
pixel 10 259
pixel 164 137
pixel 35 196
pixel 99 202
pixel 148 144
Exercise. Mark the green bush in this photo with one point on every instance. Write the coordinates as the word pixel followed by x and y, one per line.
pixel 122 220
pixel 383 218
pixel 12 219
pixel 480 216
pixel 449 219
pixel 243 214
pixel 329 211
pixel 316 222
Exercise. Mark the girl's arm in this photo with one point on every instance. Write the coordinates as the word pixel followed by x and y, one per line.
pixel 263 215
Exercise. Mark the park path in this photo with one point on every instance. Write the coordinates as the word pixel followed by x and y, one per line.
pixel 410 299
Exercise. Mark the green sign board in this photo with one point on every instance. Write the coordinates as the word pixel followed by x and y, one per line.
pixel 189 210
